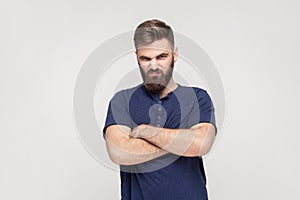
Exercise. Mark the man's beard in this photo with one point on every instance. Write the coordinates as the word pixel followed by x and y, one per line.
pixel 157 84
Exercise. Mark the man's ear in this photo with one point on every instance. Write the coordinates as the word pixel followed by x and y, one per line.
pixel 175 54
pixel 136 54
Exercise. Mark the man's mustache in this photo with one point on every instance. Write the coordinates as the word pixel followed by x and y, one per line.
pixel 154 71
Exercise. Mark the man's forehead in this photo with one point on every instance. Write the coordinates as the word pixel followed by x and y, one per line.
pixel 158 45
pixel 152 51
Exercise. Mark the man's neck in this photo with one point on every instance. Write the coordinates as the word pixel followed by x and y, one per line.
pixel 169 88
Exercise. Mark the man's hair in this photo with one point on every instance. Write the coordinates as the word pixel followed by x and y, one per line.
pixel 151 31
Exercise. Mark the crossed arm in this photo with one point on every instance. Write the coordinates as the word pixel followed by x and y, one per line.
pixel 146 142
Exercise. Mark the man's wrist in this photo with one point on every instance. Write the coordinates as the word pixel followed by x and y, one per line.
pixel 145 131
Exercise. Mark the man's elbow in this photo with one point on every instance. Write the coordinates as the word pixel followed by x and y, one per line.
pixel 203 140
pixel 199 147
pixel 114 154
pixel 204 150
pixel 115 158
pixel 118 156
pixel 197 150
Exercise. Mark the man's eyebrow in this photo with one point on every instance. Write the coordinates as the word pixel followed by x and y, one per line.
pixel 163 54
pixel 146 57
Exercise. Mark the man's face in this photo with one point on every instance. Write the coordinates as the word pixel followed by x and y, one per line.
pixel 156 62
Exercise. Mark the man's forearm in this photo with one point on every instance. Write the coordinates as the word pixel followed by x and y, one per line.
pixel 184 142
pixel 124 150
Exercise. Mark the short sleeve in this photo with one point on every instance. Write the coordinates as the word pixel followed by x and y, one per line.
pixel 206 108
pixel 118 112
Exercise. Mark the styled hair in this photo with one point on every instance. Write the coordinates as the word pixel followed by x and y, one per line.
pixel 151 31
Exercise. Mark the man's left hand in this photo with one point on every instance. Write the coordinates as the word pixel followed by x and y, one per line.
pixel 144 131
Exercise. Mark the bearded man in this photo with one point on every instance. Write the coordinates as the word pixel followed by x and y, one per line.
pixel 159 130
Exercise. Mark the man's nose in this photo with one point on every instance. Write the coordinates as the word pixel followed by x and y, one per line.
pixel 153 63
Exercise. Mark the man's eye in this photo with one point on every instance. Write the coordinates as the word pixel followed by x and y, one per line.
pixel 145 59
pixel 160 57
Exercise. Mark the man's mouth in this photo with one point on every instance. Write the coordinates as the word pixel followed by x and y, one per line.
pixel 154 73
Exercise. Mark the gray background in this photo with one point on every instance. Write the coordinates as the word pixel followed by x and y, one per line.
pixel 254 44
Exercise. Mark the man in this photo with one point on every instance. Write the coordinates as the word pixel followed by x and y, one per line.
pixel 158 130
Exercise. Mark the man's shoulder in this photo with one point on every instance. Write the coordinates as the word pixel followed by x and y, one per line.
pixel 196 89
pixel 193 92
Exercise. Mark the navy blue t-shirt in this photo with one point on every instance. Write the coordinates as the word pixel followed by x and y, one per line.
pixel 171 176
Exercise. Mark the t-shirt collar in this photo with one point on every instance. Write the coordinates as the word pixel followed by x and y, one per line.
pixel 156 96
